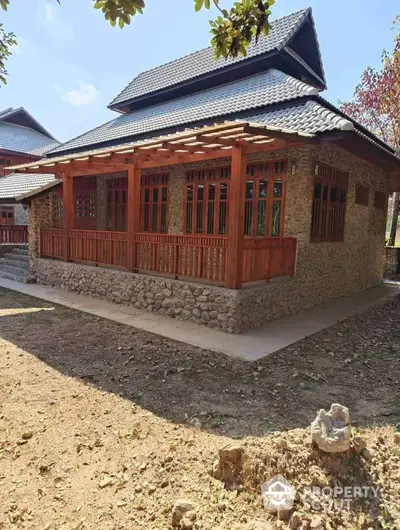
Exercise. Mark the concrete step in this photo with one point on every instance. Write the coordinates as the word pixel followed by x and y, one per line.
pixel 20 251
pixel 13 270
pixel 13 255
pixel 22 278
pixel 14 261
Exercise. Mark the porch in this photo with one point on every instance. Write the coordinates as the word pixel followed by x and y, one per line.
pixel 114 209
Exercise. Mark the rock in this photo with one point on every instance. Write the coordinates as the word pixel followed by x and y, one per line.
pixel 295 521
pixel 316 523
pixel 258 525
pixel 186 524
pixel 359 444
pixel 367 454
pixel 331 431
pixel 180 510
pixel 195 422
pixel 229 466
pixel 27 435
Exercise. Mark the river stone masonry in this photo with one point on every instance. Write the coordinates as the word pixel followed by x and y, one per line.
pixel 212 306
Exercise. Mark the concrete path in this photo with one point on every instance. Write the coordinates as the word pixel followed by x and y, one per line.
pixel 250 346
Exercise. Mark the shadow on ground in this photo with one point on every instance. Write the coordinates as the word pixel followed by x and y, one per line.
pixel 356 363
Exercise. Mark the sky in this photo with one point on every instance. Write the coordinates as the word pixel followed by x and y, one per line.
pixel 70 63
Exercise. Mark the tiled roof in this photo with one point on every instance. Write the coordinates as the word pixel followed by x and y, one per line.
pixel 21 116
pixel 254 92
pixel 309 116
pixel 24 140
pixel 18 187
pixel 203 61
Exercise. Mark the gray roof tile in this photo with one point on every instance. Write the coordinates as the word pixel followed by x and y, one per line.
pixel 203 61
pixel 24 140
pixel 19 186
pixel 260 90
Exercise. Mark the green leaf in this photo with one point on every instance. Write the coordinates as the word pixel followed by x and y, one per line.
pixel 100 4
pixel 198 5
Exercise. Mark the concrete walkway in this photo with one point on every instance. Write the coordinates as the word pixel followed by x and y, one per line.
pixel 250 346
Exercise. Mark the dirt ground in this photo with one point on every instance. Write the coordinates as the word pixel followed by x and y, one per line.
pixel 105 427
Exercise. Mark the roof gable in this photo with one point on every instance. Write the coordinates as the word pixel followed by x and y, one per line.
pixel 254 92
pixel 21 139
pixel 21 116
pixel 201 70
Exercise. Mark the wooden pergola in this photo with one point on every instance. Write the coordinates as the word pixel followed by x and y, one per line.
pixel 240 259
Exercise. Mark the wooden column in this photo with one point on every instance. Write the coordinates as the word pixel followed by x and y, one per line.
pixel 69 210
pixel 133 213
pixel 236 207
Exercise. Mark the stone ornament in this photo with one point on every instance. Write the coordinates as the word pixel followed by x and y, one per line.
pixel 331 431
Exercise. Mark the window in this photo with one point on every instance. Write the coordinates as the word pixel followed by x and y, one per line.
pixel 264 198
pixel 380 200
pixel 206 201
pixel 329 203
pixel 154 203
pixel 5 162
pixel 57 208
pixel 362 195
pixel 117 191
pixel 6 215
pixel 85 203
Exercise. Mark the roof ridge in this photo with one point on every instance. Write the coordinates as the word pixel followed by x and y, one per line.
pixel 301 86
pixel 304 12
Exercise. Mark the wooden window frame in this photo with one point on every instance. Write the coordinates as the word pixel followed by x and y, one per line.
pixel 85 200
pixel 206 178
pixel 154 183
pixel 380 200
pixel 270 171
pixel 57 208
pixel 7 210
pixel 117 204
pixel 325 228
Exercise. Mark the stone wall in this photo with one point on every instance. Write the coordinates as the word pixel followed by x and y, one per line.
pixel 392 262
pixel 39 216
pixel 202 304
pixel 20 215
pixel 325 270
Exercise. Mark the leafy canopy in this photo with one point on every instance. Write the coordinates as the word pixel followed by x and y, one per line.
pixel 376 99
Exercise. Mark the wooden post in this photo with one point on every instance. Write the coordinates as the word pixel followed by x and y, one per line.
pixel 133 213
pixel 236 207
pixel 68 198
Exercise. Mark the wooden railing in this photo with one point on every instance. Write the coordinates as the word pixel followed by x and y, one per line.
pixel 101 248
pixel 51 243
pixel 178 256
pixel 13 234
pixel 201 257
pixel 270 257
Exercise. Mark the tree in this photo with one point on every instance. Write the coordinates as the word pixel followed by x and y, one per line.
pixel 376 105
pixel 7 41
pixel 231 32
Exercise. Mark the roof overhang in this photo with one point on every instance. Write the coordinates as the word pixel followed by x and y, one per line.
pixel 208 142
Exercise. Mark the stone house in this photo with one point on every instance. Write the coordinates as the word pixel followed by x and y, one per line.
pixel 22 139
pixel 227 193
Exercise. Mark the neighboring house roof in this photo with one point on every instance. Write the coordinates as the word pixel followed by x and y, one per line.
pixel 202 62
pixel 251 93
pixel 24 140
pixel 17 187
pixel 21 116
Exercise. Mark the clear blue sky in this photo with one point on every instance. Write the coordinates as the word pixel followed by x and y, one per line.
pixel 70 63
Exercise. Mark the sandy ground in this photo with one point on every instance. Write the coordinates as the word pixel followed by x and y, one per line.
pixel 105 427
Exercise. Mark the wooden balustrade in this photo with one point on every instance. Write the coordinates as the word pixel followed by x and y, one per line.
pixel 269 257
pixel 201 257
pixel 179 256
pixel 13 234
pixel 101 248
pixel 51 243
